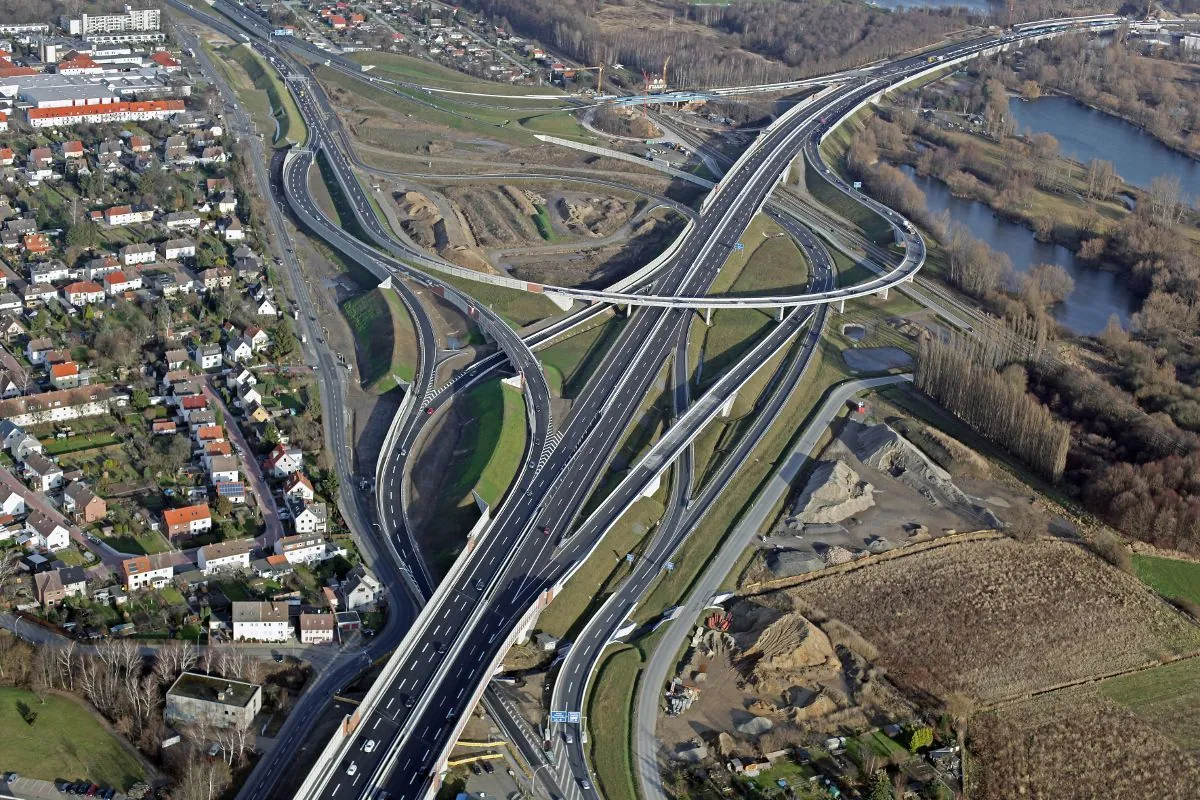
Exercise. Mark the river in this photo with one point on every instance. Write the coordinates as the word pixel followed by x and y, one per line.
pixel 1084 133
pixel 1098 294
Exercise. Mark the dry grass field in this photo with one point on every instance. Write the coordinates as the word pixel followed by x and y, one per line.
pixel 995 619
pixel 1076 744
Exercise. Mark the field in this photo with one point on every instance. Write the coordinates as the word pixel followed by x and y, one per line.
pixel 996 619
pixel 64 741
pixel 1171 577
pixel 427 73
pixel 515 307
pixel 384 337
pixel 1167 697
pixel 1076 744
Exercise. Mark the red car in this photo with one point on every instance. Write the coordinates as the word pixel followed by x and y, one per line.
pixel 429 410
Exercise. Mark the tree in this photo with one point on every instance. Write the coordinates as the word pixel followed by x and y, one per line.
pixel 918 736
pixel 83 234
pixel 881 787
pixel 1030 90
pixel 140 398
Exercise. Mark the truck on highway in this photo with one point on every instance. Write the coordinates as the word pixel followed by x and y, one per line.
pixel 934 59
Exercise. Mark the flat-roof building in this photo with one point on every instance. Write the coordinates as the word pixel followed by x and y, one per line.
pixel 196 699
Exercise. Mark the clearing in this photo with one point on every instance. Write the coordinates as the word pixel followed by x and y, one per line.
pixel 64 740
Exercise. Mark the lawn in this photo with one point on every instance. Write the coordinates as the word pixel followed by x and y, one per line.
pixel 384 337
pixel 427 73
pixel 64 741
pixel 874 226
pixel 1171 577
pixel 610 715
pixel 797 776
pixel 571 362
pixel 73 444
pixel 143 543
pixel 1167 697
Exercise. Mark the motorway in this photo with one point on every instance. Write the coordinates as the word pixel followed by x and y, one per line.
pixel 436 673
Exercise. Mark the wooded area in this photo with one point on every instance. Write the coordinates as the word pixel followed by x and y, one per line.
pixel 961 375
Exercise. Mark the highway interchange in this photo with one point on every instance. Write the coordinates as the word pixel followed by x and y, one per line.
pixel 440 666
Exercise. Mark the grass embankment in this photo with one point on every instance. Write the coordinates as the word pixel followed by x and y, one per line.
pixel 594 582
pixel 873 226
pixel 281 107
pixel 492 445
pixel 64 741
pixel 427 73
pixel 1173 578
pixel 611 702
pixel 515 307
pixel 569 364
pixel 384 337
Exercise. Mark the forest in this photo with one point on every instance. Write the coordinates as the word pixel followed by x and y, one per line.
pixel 712 45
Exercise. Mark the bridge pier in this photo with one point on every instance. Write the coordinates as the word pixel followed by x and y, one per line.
pixel 882 294
pixel 386 283
pixel 560 300
pixel 841 306
pixel 652 487
pixel 779 314
pixel 708 317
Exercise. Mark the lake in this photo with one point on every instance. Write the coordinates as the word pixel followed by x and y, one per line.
pixel 1097 295
pixel 1084 133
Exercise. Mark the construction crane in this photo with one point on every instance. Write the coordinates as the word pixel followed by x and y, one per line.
pixel 599 70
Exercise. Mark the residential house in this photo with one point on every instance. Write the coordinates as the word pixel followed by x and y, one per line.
pixel 226 203
pixel 233 491
pixel 98 267
pixel 12 504
pixel 259 339
pixel 128 215
pixel 42 473
pixel 257 414
pixel 317 628
pixel 139 144
pixel 175 148
pixel 298 489
pixel 181 219
pixel 175 358
pixel 312 518
pixel 224 556
pixel 166 427
pixel 119 282
pixel 59 406
pixel 83 293
pixel 64 375
pixel 189 520
pixel 207 356
pixel 304 549
pixel 222 469
pixel 154 570
pixel 216 278
pixel 138 253
pixel 10 327
pixel 52 587
pixel 174 249
pixel 266 308
pixel 264 621
pixel 82 504
pixel 206 701
pixel 46 532
pixel 239 350
pixel 46 272
pixel 17 442
pixel 36 244
pixel 232 231
pixel 361 589
pixel 284 459
pixel 34 295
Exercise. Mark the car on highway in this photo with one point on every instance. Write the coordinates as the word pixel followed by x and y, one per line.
pixel 545 530
pixel 409 701
pixel 568 738
pixel 585 784
pixel 369 747
pixel 442 648
pixel 352 769
pixel 429 410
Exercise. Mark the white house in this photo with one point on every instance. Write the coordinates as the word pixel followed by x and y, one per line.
pixel 207 356
pixel 153 570
pixel 119 282
pixel 284 459
pixel 317 628
pixel 261 621
pixel 301 549
pixel 140 253
pixel 224 556
pixel 239 350
pixel 47 533
pixel 313 518
pixel 17 442
pixel 174 249
pixel 222 469
pixel 361 589
pixel 232 231
pixel 11 503
pixel 298 489
pixel 82 293
pixel 42 473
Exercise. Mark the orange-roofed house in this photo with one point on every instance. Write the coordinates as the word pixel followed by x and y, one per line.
pixel 165 61
pixel 337 22
pixel 64 375
pixel 221 448
pixel 187 520
pixel 82 293
pixel 72 149
pixel 100 113
pixel 36 243
pixel 79 64
pixel 3 122
pixel 210 433
pixel 153 570
pixel 7 157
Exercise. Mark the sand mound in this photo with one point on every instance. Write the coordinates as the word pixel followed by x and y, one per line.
pixel 754 726
pixel 832 494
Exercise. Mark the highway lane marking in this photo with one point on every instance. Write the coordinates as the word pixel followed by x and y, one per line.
pixel 376 725
pixel 390 701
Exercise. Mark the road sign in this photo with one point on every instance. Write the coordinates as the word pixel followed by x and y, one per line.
pixel 739 246
pixel 858 184
pixel 560 716
pixel 574 716
pixel 630 557
pixel 669 566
